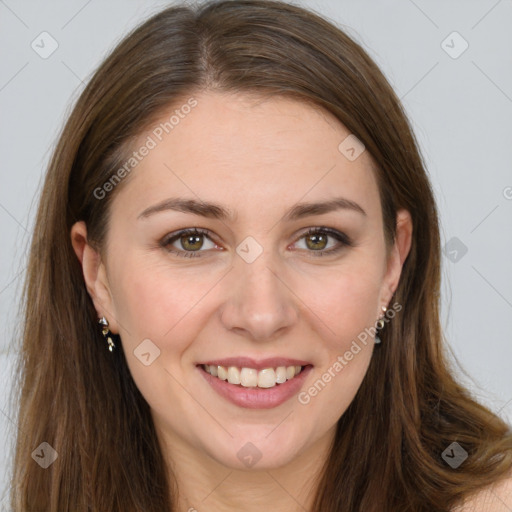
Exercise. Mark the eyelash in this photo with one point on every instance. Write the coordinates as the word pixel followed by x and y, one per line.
pixel 344 240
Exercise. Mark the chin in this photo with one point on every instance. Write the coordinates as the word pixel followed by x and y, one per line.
pixel 259 448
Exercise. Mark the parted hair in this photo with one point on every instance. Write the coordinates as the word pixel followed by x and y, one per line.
pixel 81 399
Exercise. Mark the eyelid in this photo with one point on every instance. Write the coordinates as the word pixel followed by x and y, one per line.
pixel 343 240
pixel 171 237
pixel 339 235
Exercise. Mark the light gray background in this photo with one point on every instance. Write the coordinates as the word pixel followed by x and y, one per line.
pixel 460 108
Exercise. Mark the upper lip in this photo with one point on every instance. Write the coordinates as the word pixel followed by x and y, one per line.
pixel 260 364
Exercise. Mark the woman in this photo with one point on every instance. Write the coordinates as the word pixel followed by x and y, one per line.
pixel 233 292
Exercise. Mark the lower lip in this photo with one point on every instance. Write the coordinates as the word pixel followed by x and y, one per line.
pixel 257 398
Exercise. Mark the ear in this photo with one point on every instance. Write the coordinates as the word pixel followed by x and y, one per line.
pixel 397 256
pixel 95 275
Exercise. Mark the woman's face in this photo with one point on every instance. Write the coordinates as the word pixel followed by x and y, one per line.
pixel 252 285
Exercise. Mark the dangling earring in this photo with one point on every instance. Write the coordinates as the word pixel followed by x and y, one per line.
pixel 380 325
pixel 106 333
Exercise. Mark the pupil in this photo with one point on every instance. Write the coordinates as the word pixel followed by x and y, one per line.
pixel 318 239
pixel 191 238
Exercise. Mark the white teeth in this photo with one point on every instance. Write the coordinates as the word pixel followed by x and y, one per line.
pixel 233 375
pixel 248 377
pixel 281 374
pixel 266 378
pixel 251 378
pixel 222 373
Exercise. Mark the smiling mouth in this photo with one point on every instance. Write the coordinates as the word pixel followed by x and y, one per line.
pixel 252 378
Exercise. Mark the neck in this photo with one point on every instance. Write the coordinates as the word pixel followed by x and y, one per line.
pixel 202 483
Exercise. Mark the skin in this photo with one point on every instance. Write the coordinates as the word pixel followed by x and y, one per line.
pixel 496 497
pixel 257 158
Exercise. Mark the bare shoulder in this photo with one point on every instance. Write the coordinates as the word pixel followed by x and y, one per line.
pixel 494 498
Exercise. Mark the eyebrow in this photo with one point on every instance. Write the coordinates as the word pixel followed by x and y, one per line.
pixel 216 211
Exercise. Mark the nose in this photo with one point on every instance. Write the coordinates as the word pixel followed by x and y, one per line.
pixel 259 302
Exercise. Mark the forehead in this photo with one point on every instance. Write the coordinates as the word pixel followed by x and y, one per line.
pixel 240 149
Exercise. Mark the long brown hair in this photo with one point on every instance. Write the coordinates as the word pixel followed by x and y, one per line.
pixel 82 400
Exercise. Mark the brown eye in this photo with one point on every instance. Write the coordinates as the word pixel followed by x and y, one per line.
pixel 191 242
pixel 317 239
pixel 187 242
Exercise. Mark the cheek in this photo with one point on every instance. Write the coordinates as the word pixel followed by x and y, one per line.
pixel 348 310
pixel 345 299
pixel 162 304
pixel 152 299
